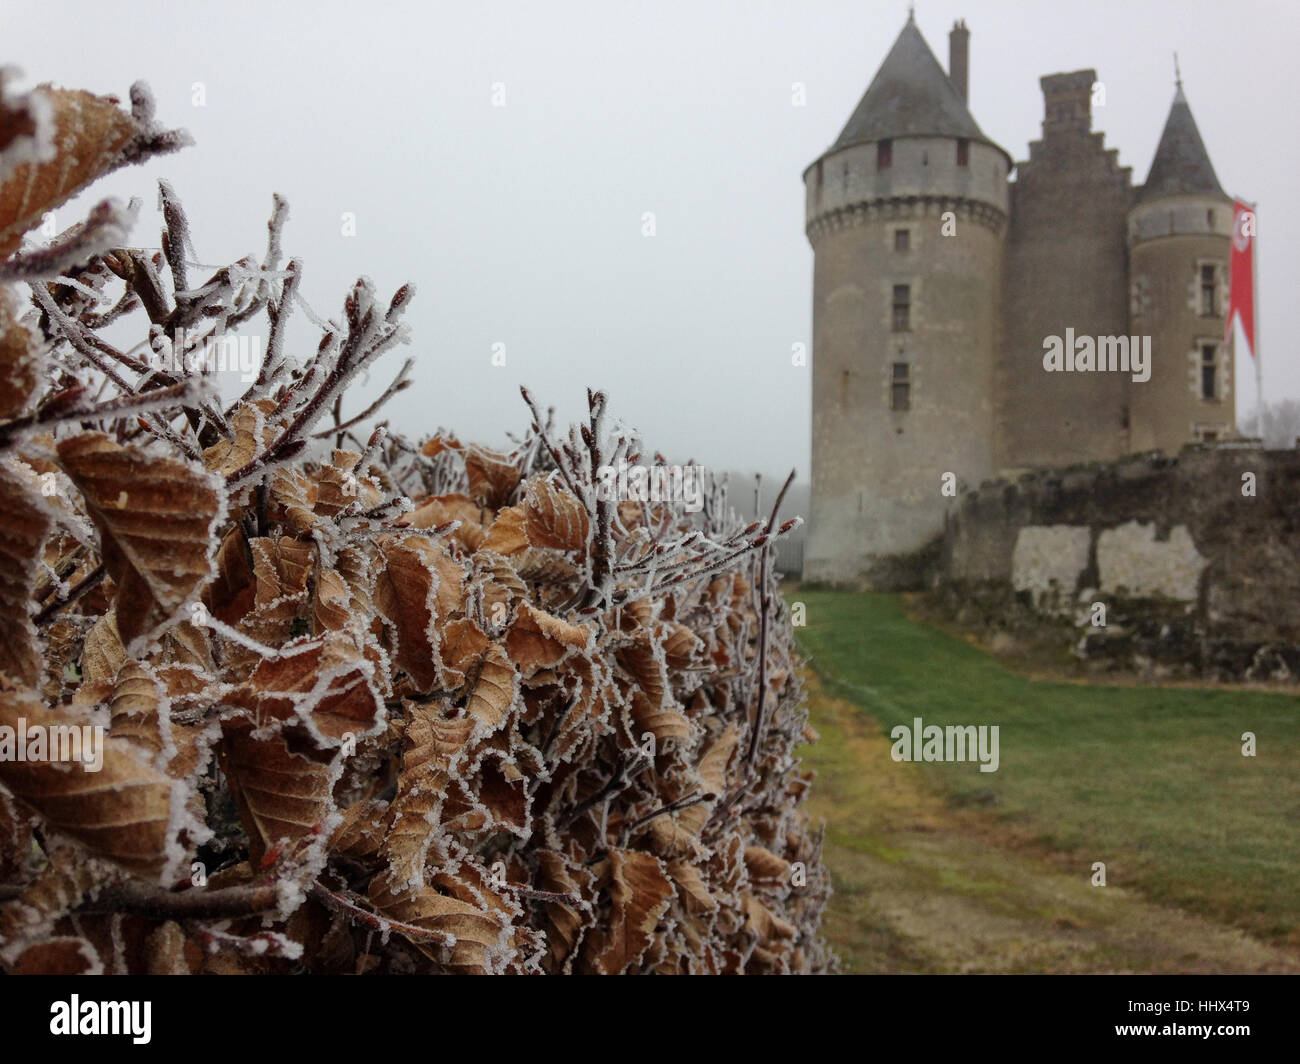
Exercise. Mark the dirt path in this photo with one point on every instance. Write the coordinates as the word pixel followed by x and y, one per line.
pixel 921 886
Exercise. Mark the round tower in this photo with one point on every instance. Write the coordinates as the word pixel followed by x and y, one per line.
pixel 906 214
pixel 1179 237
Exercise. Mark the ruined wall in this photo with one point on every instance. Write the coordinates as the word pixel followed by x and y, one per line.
pixel 1198 575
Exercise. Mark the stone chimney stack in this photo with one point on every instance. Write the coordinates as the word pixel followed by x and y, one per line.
pixel 1067 102
pixel 959 58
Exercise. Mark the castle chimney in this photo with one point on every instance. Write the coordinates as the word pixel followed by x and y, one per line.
pixel 1067 102
pixel 959 57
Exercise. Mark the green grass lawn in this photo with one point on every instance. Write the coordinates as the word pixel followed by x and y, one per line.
pixel 1149 780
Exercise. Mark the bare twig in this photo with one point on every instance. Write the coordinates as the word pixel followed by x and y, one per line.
pixel 134 897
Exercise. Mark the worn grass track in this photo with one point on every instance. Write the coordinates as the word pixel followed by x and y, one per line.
pixel 943 868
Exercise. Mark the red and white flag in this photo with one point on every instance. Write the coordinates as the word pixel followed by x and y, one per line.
pixel 1241 284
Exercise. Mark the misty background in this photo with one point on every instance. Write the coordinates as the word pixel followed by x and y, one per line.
pixel 522 225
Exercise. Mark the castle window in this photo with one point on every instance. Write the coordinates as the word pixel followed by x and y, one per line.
pixel 900 387
pixel 1209 371
pixel 1209 292
pixel 963 152
pixel 884 154
pixel 902 308
pixel 902 239
pixel 1209 218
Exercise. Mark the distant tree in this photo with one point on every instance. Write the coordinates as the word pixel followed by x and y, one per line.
pixel 1281 423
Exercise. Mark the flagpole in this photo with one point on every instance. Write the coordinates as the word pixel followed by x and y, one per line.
pixel 1254 310
pixel 1254 315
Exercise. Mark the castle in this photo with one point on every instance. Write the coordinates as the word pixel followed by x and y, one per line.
pixel 943 288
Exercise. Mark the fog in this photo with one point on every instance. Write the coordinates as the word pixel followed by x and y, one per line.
pixel 506 159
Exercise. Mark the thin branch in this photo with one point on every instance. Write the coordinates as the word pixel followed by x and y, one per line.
pixel 86 583
pixel 223 903
pixel 760 715
pixel 399 384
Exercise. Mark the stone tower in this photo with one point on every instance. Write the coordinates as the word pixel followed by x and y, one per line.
pixel 1179 237
pixel 906 214
pixel 1065 269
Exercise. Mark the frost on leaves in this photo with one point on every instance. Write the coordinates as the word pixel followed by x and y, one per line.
pixel 366 704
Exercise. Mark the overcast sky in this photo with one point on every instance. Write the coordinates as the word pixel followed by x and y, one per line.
pixel 522 225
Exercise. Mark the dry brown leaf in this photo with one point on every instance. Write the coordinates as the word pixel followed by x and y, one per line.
pixel 420 586
pixel 538 640
pixel 255 427
pixel 156 517
pixel 230 594
pixel 292 500
pixel 669 838
pixel 546 567
pixel 15 840
pixel 694 892
pixel 360 834
pixel 465 938
pixel 323 685
pixel 644 661
pixel 138 710
pixel 124 811
pixel 663 723
pixel 339 485
pixel 712 771
pixel 439 443
pixel 90 133
pixel 495 685
pixel 767 924
pixel 62 955
pixel 331 602
pixel 24 526
pixel 20 363
pixel 501 788
pixel 187 644
pixel 103 652
pixel 564 922
pixel 681 646
pixel 554 517
pixel 433 742
pixel 502 586
pixel 639 892
pixel 443 509
pixel 282 567
pixel 321 694
pixel 492 476
pixel 765 866
pixel 281 794
pixel 166 948
pixel 462 645
pixel 508 534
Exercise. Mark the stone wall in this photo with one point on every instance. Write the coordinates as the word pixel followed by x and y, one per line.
pixel 1195 560
pixel 1066 262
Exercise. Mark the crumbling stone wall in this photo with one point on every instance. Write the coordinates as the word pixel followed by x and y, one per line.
pixel 1195 561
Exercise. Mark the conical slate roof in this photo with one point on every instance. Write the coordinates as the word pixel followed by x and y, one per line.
pixel 1182 165
pixel 909 96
